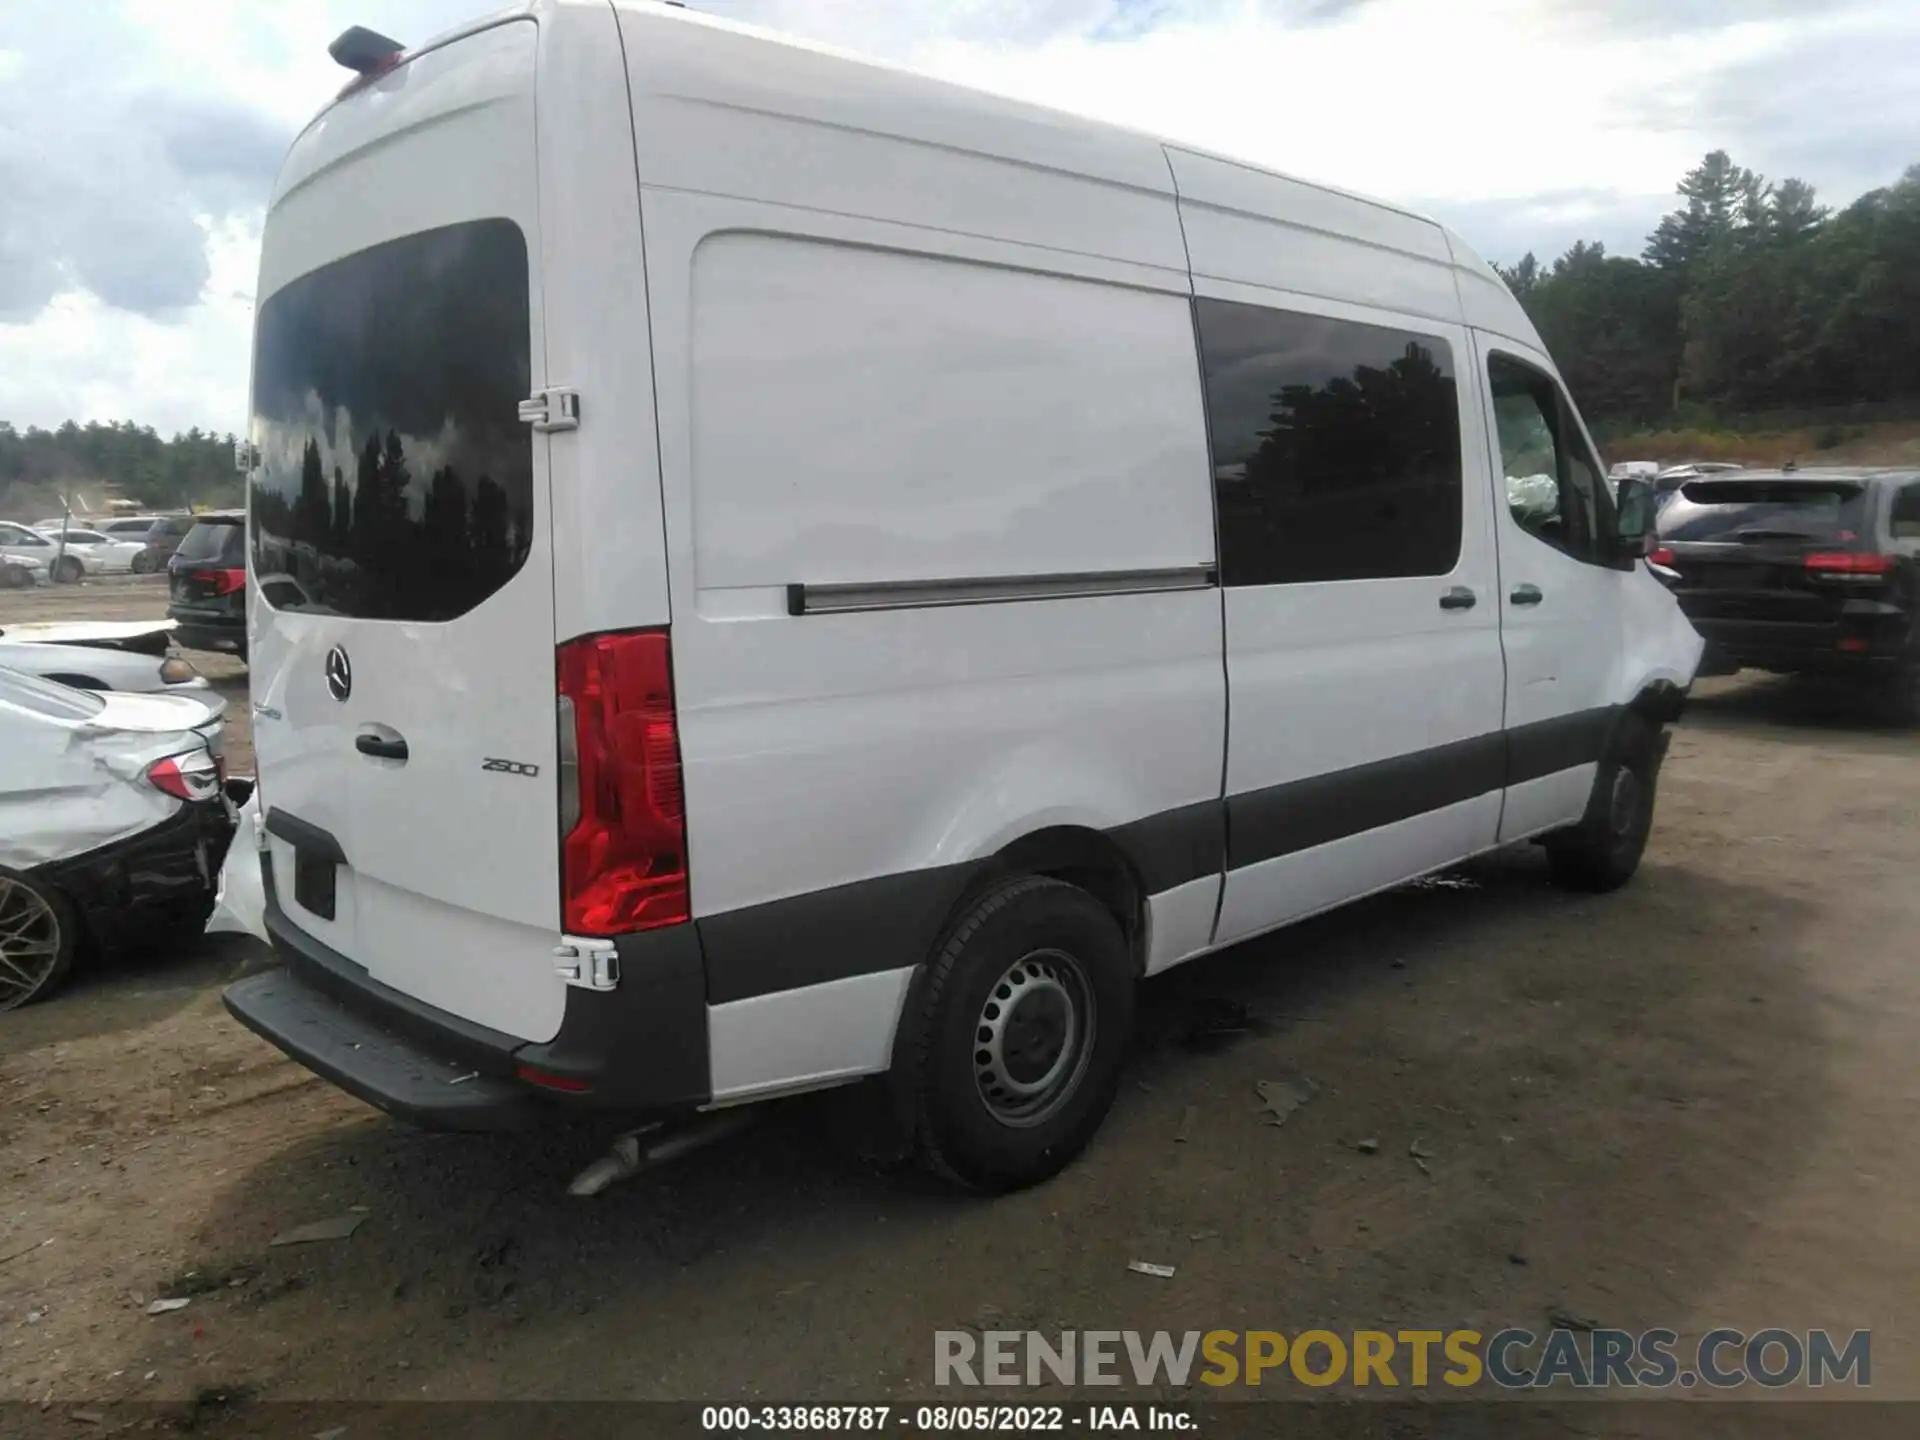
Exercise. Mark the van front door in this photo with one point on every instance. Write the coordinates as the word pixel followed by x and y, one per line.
pixel 1559 604
pixel 1362 627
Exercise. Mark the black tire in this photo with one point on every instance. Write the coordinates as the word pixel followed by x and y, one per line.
pixel 13 577
pixel 68 571
pixel 1005 1096
pixel 1603 850
pixel 38 935
pixel 143 563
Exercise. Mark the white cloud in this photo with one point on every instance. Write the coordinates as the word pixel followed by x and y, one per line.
pixel 1525 123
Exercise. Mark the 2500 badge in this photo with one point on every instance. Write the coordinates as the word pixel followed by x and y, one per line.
pixel 509 767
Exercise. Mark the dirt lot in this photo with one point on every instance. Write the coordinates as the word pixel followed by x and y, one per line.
pixel 1687 1104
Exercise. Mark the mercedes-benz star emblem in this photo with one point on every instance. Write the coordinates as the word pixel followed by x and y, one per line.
pixel 339 674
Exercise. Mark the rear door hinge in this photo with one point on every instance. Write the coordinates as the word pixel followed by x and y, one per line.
pixel 555 408
pixel 590 964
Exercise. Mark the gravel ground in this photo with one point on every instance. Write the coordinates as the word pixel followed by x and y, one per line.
pixel 1686 1104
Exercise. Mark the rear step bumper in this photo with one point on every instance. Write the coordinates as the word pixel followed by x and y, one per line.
pixel 1805 646
pixel 640 1048
pixel 385 1069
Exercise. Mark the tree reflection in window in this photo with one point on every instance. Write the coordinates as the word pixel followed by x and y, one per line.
pixel 396 480
pixel 1336 447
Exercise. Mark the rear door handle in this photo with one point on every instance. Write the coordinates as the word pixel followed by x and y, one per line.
pixel 1526 595
pixel 383 749
pixel 1458 598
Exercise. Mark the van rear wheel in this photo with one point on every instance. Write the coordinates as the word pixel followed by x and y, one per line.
pixel 1023 1026
pixel 1604 849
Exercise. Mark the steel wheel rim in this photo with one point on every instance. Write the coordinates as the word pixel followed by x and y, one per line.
pixel 29 942
pixel 1033 1038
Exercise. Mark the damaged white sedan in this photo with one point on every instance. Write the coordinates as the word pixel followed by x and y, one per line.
pixel 114 823
pixel 130 655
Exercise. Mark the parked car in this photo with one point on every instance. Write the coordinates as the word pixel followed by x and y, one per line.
pixel 126 527
pixel 164 534
pixel 892 644
pixel 114 823
pixel 19 572
pixel 1802 571
pixel 101 554
pixel 135 528
pixel 19 543
pixel 131 656
pixel 207 584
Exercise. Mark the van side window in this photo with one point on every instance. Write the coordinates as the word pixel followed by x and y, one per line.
pixel 1553 484
pixel 1336 446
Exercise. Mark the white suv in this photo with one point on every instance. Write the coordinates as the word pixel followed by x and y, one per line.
pixel 770 571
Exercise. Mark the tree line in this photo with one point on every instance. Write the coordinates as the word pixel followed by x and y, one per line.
pixel 1748 297
pixel 195 467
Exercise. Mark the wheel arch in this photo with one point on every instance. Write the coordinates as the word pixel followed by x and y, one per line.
pixel 1076 854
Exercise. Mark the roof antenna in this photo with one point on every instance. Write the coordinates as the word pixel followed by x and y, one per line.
pixel 366 52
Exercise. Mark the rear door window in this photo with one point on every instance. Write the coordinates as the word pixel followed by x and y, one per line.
pixel 1738 512
pixel 224 543
pixel 396 478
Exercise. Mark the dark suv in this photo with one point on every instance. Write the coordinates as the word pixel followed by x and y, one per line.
pixel 207 584
pixel 163 538
pixel 1801 571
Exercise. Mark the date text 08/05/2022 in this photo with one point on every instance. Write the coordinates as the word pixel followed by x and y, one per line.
pixel 935 1419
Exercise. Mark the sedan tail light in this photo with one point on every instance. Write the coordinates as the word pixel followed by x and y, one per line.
pixel 192 776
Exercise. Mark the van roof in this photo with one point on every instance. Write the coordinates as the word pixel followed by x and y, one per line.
pixel 808 80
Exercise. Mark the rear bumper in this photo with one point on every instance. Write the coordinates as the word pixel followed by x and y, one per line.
pixel 380 1066
pixel 638 1048
pixel 1860 645
pixel 121 888
pixel 197 629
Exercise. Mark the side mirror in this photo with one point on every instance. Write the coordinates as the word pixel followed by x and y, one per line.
pixel 1633 518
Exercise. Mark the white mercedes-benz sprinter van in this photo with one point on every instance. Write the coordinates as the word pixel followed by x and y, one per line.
pixel 770 570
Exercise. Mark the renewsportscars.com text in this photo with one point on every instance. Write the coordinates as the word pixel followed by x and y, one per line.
pixel 1511 1359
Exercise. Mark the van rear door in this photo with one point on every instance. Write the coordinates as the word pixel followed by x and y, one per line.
pixel 403 625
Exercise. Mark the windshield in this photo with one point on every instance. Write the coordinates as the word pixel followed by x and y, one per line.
pixel 45 697
pixel 1740 511
pixel 396 477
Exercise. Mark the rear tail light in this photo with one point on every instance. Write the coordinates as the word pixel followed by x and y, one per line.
pixel 1660 555
pixel 221 582
pixel 1849 562
pixel 193 776
pixel 1855 644
pixel 623 847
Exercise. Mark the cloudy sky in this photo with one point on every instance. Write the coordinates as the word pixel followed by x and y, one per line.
pixel 138 138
